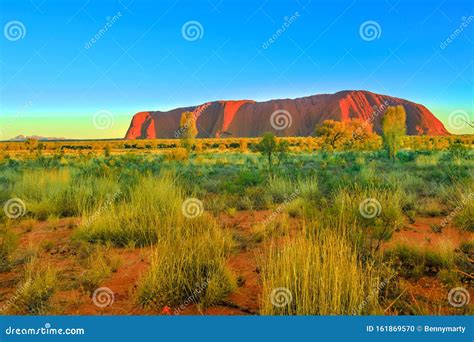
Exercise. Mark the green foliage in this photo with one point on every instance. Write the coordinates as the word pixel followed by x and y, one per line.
pixel 413 261
pixel 322 222
pixel 269 146
pixel 337 135
pixel 393 129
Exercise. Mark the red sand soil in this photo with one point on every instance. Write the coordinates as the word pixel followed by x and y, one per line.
pixel 244 263
pixel 421 234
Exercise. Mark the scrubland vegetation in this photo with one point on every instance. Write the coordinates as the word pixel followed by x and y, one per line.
pixel 304 229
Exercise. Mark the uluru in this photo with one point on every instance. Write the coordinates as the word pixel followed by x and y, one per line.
pixel 247 118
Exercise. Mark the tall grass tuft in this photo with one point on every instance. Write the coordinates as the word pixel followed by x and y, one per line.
pixel 151 213
pixel 34 295
pixel 8 245
pixel 44 192
pixel 324 276
pixel 57 193
pixel 187 272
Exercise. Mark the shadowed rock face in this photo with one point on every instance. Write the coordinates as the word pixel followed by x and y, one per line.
pixel 248 118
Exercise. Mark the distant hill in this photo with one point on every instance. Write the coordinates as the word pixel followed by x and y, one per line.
pixel 36 137
pixel 247 118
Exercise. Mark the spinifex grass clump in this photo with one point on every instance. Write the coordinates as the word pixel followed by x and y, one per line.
pixel 43 192
pixel 8 245
pixel 35 292
pixel 459 200
pixel 99 265
pixel 57 193
pixel 414 261
pixel 373 213
pixel 153 211
pixel 464 212
pixel 321 276
pixel 187 272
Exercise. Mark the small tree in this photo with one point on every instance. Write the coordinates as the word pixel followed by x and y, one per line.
pixel 282 150
pixel 31 144
pixel 333 133
pixel 337 135
pixel 393 129
pixel 188 130
pixel 269 146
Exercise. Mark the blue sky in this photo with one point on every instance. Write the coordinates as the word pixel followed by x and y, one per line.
pixel 52 83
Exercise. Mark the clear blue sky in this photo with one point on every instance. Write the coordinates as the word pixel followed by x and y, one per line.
pixel 52 85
